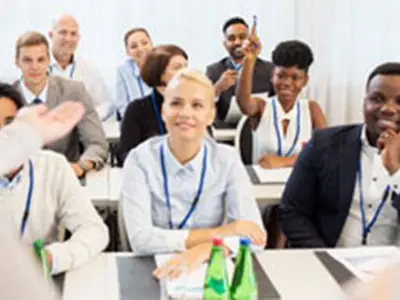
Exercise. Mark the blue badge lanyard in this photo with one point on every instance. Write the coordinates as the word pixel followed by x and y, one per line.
pixel 138 79
pixel 166 190
pixel 278 135
pixel 235 66
pixel 366 227
pixel 28 200
pixel 157 113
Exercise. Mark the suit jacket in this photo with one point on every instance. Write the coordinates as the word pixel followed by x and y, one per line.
pixel 319 192
pixel 88 133
pixel 261 83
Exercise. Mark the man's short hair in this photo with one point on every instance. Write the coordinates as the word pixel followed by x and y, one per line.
pixel 234 21
pixel 388 68
pixel 9 92
pixel 134 30
pixel 31 38
pixel 157 61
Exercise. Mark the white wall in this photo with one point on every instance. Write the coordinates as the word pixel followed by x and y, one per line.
pixel 348 37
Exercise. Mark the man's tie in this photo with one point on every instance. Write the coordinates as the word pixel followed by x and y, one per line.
pixel 37 101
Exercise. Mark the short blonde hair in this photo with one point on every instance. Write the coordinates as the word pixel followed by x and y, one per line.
pixel 31 38
pixel 195 76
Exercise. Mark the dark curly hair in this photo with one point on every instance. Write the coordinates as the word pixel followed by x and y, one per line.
pixel 388 68
pixel 293 54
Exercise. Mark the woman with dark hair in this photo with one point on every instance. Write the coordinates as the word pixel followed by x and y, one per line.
pixel 142 118
pixel 283 123
pixel 130 85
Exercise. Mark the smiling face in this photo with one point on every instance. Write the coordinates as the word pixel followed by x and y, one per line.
pixel 65 36
pixel 188 109
pixel 382 105
pixel 33 61
pixel 288 82
pixel 138 46
pixel 235 36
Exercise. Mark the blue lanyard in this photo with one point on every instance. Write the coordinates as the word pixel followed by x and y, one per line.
pixel 236 67
pixel 157 113
pixel 28 200
pixel 278 135
pixel 366 227
pixel 138 79
pixel 166 190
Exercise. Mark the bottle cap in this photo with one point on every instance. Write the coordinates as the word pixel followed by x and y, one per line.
pixel 217 241
pixel 244 241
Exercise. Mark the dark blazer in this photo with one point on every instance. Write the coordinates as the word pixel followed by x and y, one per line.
pixel 88 133
pixel 261 83
pixel 319 192
pixel 139 124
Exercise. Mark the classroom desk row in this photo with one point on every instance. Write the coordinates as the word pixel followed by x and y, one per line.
pixel 112 131
pixel 281 274
pixel 104 187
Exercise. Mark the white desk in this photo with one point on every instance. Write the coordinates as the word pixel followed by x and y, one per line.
pixel 112 131
pixel 224 135
pixel 265 194
pixel 97 186
pixel 296 274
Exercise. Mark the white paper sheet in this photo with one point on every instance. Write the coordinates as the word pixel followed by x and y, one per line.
pixel 365 262
pixel 191 285
pixel 272 175
pixel 234 114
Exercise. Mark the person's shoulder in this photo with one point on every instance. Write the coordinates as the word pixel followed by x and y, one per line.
pixel 220 153
pixel 145 151
pixel 49 158
pixel 87 64
pixel 332 136
pixel 137 106
pixel 66 84
pixel 217 66
pixel 262 63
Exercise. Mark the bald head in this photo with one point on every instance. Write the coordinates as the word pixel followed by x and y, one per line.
pixel 64 37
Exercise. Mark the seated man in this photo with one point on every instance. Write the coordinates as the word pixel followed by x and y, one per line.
pixel 65 37
pixel 224 73
pixel 43 194
pixel 344 187
pixel 32 58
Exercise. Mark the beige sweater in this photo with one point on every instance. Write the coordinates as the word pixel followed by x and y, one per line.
pixel 57 199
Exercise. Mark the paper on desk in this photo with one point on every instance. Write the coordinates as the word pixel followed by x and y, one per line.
pixel 272 175
pixel 191 285
pixel 234 113
pixel 364 263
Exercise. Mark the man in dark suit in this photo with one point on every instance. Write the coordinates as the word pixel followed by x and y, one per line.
pixel 344 188
pixel 36 87
pixel 224 73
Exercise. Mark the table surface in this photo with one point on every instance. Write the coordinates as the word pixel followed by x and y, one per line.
pixel 296 274
pixel 112 131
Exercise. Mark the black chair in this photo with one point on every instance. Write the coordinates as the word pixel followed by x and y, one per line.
pixel 244 140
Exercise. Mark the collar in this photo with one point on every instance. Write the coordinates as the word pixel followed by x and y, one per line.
pixel 54 64
pixel 232 63
pixel 174 166
pixel 282 115
pixel 29 96
pixel 365 145
pixel 158 96
pixel 5 183
pixel 133 66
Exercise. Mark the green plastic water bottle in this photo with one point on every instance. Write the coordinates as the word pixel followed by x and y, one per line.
pixel 216 284
pixel 244 283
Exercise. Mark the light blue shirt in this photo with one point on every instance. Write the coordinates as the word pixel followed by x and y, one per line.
pixel 6 183
pixel 226 192
pixel 128 85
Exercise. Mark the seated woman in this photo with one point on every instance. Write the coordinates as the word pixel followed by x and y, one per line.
pixel 180 187
pixel 130 85
pixel 283 123
pixel 142 118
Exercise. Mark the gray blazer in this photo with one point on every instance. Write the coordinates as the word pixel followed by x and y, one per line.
pixel 89 132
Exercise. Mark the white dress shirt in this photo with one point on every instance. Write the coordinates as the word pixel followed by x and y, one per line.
pixel 87 73
pixel 57 199
pixel 226 195
pixel 29 96
pixel 375 178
